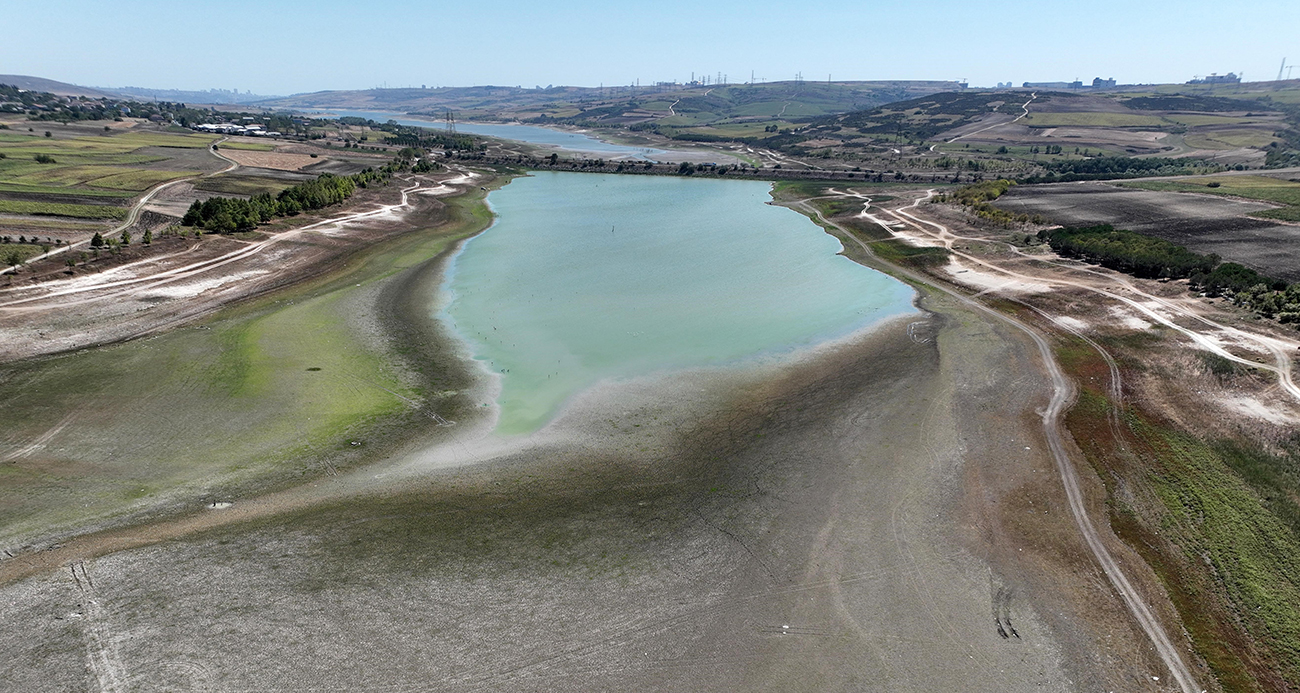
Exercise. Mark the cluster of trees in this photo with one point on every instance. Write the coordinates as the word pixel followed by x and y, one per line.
pixel 1287 151
pixel 1282 305
pixel 1107 167
pixel 1155 258
pixel 230 214
pixel 977 198
pixel 1126 251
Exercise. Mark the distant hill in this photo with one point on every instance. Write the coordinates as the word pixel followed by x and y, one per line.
pixel 208 96
pixel 51 86
pixel 682 104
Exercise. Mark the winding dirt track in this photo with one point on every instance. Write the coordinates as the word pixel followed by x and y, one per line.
pixel 1141 301
pixel 1063 394
pixel 190 270
pixel 1024 107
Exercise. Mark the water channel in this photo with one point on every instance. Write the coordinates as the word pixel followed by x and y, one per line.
pixel 566 140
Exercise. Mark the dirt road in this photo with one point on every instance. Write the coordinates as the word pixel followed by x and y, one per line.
pixel 1062 396
pixel 134 214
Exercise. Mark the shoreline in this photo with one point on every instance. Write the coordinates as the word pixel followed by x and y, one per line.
pixel 365 276
pixel 829 494
pixel 765 499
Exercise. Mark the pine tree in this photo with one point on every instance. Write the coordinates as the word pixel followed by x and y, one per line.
pixel 97 241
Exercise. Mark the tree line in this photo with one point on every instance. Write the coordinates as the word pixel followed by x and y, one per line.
pixel 1110 167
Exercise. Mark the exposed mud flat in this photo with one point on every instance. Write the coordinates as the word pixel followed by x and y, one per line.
pixel 809 526
pixel 880 515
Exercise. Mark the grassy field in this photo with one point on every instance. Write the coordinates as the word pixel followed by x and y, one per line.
pixel 111 177
pixel 752 129
pixel 1200 120
pixel 89 163
pixel 59 190
pixel 54 209
pixel 1283 192
pixel 138 180
pixel 901 253
pixel 1185 503
pixel 1096 120
pixel 1229 139
pixel 17 251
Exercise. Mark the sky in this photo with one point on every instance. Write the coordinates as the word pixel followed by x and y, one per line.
pixel 278 48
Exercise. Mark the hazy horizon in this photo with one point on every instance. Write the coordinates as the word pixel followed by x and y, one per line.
pixel 295 47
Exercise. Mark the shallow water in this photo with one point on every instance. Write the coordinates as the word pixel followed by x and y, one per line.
pixel 586 277
pixel 530 134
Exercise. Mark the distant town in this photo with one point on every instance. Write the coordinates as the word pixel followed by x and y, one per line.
pixel 248 129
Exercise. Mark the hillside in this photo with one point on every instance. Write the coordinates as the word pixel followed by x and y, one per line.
pixel 675 105
pixel 51 86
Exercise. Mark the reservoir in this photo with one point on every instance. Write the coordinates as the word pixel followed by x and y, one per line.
pixel 530 134
pixel 588 277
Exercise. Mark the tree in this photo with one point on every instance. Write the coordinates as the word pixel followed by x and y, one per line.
pixel 148 237
pixel 97 241
pixel 13 258
pixel 48 134
pixel 126 238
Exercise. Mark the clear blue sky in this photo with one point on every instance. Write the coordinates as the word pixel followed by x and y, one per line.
pixel 292 46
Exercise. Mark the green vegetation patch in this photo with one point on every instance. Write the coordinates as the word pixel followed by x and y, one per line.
pixel 977 199
pixel 1096 120
pixel 1112 167
pixel 1224 522
pixel 138 179
pixel 1127 251
pixel 17 253
pixel 1253 187
pixel 901 253
pixel 21 188
pixel 1264 188
pixel 51 209
pixel 269 392
pixel 1230 139
pixel 1188 102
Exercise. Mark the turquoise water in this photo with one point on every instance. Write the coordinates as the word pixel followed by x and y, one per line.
pixel 531 134
pixel 586 277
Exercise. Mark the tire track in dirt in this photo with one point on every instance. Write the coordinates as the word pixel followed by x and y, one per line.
pixel 1063 394
pixel 188 271
pixel 101 653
